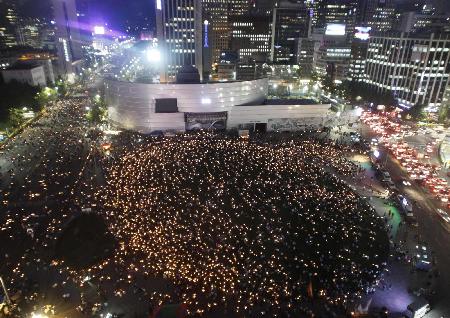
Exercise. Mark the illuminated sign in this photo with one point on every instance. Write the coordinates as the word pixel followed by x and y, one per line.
pixel 99 30
pixel 362 33
pixel 205 40
pixel 335 29
pixel 158 5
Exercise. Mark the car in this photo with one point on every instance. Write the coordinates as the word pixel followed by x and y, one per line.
pixel 406 182
pixel 405 205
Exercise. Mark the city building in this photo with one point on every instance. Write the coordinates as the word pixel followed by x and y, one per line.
pixel 413 67
pixel 305 56
pixel 25 73
pixel 67 36
pixel 216 13
pixel 8 24
pixel 179 27
pixel 360 45
pixel 291 21
pixel 21 55
pixel 412 21
pixel 337 17
pixel 238 7
pixel 151 108
pixel 377 14
pixel 332 54
pixel 251 35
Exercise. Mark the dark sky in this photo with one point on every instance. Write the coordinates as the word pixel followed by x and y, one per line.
pixel 114 12
pixel 118 12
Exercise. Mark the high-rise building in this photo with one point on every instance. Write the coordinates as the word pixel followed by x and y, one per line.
pixel 67 36
pixel 332 54
pixel 251 36
pixel 8 24
pixel 290 22
pixel 30 32
pixel 422 21
pixel 216 13
pixel 305 56
pixel 239 7
pixel 360 45
pixel 313 7
pixel 337 16
pixel 377 14
pixel 415 68
pixel 179 26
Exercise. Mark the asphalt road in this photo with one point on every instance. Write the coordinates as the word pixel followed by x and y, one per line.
pixel 432 229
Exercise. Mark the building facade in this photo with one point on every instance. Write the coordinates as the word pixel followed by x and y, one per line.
pixel 290 22
pixel 216 12
pixel 377 14
pixel 153 108
pixel 415 68
pixel 8 25
pixel 305 56
pixel 251 35
pixel 33 75
pixel 337 16
pixel 179 27
pixel 67 36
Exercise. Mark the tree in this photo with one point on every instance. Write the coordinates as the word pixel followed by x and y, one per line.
pixel 46 95
pixel 16 117
pixel 61 87
pixel 416 112
pixel 443 114
pixel 328 84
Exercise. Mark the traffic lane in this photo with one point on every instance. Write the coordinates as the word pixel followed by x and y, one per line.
pixel 433 233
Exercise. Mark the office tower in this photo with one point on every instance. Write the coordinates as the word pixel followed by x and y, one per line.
pixel 337 16
pixel 251 36
pixel 360 45
pixel 67 34
pixel 423 20
pixel 415 68
pixel 179 30
pixel 305 56
pixel 239 7
pixel 313 7
pixel 290 22
pixel 30 32
pixel 8 24
pixel 216 13
pixel 377 14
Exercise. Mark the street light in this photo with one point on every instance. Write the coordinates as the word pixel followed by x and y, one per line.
pixel 153 55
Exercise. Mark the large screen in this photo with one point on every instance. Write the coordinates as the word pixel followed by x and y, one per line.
pixel 363 33
pixel 166 105
pixel 335 29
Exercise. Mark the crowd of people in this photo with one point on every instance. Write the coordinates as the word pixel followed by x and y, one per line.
pixel 258 227
pixel 254 227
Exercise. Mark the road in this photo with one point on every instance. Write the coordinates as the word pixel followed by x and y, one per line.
pixel 432 230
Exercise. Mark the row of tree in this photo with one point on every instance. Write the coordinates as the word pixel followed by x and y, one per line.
pixel 18 98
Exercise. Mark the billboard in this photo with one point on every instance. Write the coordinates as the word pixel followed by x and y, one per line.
pixel 214 120
pixel 335 29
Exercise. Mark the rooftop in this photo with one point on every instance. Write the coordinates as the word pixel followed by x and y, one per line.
pixel 22 66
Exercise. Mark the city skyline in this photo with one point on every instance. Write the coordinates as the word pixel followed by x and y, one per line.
pixel 224 159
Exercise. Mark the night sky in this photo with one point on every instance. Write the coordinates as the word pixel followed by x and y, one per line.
pixel 121 13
